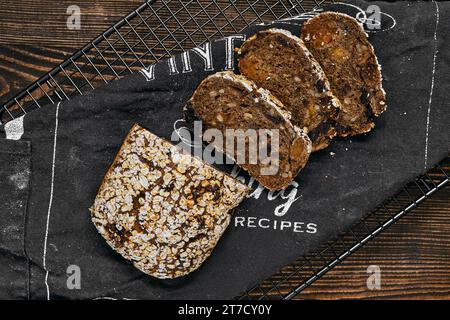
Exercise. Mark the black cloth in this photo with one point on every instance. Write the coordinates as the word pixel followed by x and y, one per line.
pixel 15 171
pixel 338 186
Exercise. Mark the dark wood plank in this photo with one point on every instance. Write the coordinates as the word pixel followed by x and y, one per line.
pixel 414 254
pixel 46 35
pixel 20 65
pixel 45 22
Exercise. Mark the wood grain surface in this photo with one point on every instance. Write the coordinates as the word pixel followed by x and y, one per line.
pixel 413 255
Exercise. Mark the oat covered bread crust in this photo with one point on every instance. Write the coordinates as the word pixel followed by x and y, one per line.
pixel 161 209
pixel 341 46
pixel 277 60
pixel 226 101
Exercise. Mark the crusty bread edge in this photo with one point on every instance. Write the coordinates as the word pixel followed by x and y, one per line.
pixel 372 49
pixel 268 97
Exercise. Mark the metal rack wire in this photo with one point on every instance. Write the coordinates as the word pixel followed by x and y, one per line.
pixel 160 29
pixel 293 279
pixel 154 31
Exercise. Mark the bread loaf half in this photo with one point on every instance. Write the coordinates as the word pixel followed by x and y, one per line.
pixel 279 61
pixel 161 209
pixel 340 45
pixel 225 101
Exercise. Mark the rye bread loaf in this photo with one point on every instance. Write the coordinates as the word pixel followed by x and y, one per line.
pixel 227 101
pixel 279 61
pixel 161 209
pixel 341 46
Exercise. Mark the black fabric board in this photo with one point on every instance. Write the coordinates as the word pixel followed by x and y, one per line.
pixel 15 172
pixel 338 187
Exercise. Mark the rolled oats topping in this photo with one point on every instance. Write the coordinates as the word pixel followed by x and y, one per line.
pixel 161 209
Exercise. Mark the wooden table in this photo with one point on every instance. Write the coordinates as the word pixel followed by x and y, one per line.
pixel 413 255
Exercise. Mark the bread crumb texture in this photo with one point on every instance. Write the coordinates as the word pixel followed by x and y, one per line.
pixel 341 46
pixel 161 209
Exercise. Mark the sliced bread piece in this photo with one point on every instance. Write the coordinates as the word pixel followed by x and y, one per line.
pixel 227 101
pixel 279 61
pixel 340 45
pixel 161 209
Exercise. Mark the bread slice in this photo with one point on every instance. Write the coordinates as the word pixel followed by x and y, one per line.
pixel 161 209
pixel 340 45
pixel 227 101
pixel 279 61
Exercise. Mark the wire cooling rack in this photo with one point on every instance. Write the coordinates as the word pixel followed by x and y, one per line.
pixel 160 29
pixel 154 31
pixel 293 279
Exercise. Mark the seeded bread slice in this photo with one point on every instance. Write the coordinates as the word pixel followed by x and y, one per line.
pixel 340 45
pixel 279 61
pixel 227 101
pixel 161 209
